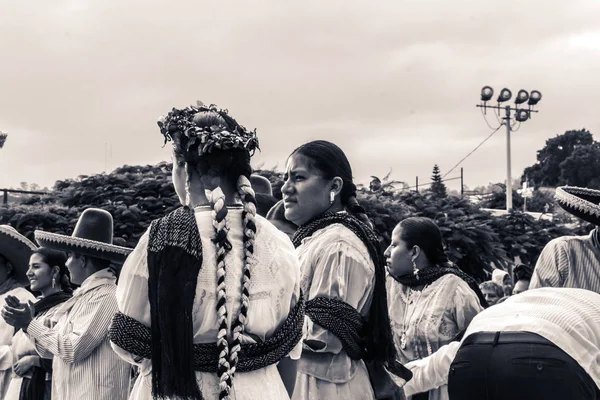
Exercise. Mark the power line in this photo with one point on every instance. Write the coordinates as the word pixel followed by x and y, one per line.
pixel 473 151
pixel 431 182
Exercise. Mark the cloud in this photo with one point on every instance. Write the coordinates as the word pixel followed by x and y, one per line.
pixel 394 83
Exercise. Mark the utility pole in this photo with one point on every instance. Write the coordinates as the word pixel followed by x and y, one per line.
pixel 521 115
pixel 462 183
pixel 508 172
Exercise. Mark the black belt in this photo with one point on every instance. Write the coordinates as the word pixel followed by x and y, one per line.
pixel 504 338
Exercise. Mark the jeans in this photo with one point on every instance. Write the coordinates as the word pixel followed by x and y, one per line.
pixel 516 366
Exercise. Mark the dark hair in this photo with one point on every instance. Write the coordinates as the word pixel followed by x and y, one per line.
pixel 218 169
pixel 330 161
pixel 219 166
pixel 522 272
pixel 10 269
pixel 424 232
pixel 55 258
pixel 494 286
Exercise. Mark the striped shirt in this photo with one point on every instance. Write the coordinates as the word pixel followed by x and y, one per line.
pixel 569 261
pixel 84 366
pixel 569 318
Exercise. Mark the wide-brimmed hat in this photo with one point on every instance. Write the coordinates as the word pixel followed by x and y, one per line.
pixel 17 249
pixel 92 236
pixel 581 202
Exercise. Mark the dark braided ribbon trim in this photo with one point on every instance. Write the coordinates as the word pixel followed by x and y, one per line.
pixel 135 337
pixel 341 319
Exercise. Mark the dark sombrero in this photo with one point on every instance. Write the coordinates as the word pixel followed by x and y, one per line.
pixel 581 202
pixel 17 249
pixel 92 236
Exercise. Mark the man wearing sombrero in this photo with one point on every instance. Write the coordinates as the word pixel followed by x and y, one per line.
pixel 84 366
pixel 15 250
pixel 572 261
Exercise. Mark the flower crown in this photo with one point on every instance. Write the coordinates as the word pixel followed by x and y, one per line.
pixel 221 137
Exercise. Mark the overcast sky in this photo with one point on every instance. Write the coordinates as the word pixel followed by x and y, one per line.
pixel 394 83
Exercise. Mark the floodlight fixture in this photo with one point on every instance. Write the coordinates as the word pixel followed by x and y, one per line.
pixel 505 95
pixel 486 93
pixel 534 97
pixel 522 97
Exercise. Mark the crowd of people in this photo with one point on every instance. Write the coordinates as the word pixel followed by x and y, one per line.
pixel 236 295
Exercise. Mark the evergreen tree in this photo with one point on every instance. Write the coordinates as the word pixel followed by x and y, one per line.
pixel 437 187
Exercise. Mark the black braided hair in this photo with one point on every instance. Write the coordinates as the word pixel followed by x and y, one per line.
pixel 331 161
pixel 220 171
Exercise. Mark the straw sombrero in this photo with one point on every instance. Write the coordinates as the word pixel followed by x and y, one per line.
pixel 581 202
pixel 17 249
pixel 92 236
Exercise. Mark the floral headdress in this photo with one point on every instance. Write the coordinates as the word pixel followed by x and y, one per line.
pixel 222 137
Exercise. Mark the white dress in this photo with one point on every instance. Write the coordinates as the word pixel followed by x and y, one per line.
pixel 274 291
pixel 22 346
pixel 431 318
pixel 7 333
pixel 335 264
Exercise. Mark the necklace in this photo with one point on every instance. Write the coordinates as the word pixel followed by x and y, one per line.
pixel 406 323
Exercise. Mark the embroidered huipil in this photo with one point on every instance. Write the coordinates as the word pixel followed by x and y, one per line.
pixel 430 318
pixel 335 264
pixel 274 291
pixel 84 366
pixel 9 287
pixel 569 318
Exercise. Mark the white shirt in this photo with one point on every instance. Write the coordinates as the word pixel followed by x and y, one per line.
pixel 84 366
pixel 569 261
pixel 567 317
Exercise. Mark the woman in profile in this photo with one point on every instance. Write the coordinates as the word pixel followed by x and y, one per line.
pixel 348 342
pixel 431 301
pixel 48 275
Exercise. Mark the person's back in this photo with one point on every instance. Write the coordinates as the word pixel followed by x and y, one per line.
pixel 538 344
pixel 209 300
pixel 572 261
pixel 569 262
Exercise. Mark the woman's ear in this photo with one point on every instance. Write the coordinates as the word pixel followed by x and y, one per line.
pixel 416 251
pixel 336 185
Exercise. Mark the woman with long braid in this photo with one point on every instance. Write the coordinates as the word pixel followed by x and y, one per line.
pixel 431 301
pixel 348 341
pixel 209 301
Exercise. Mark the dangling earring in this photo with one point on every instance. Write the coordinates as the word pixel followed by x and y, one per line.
pixel 415 269
pixel 331 197
pixel 53 283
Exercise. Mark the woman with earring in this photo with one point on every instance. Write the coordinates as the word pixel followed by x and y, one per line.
pixel 47 274
pixel 348 341
pixel 431 301
pixel 209 300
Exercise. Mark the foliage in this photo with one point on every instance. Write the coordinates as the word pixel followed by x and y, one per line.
pixel 582 167
pixel 549 168
pixel 133 195
pixel 136 195
pixel 437 186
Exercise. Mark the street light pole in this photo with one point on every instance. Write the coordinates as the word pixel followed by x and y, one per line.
pixel 521 115
pixel 508 172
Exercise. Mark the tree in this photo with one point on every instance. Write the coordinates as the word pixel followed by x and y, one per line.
pixel 547 171
pixel 437 187
pixel 582 167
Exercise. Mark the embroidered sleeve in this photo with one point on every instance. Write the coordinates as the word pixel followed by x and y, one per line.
pixel 134 280
pixel 431 372
pixel 340 273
